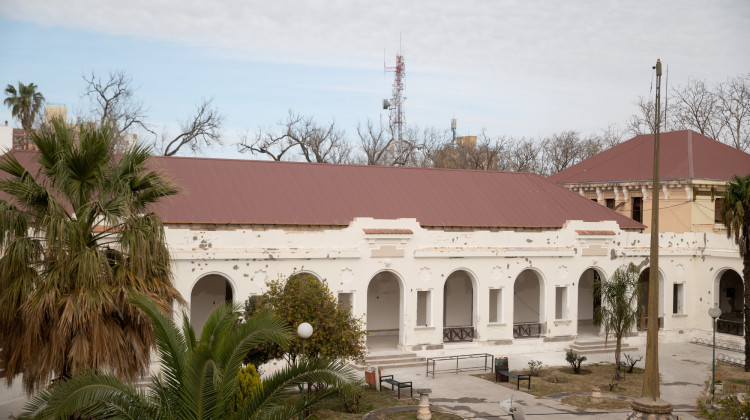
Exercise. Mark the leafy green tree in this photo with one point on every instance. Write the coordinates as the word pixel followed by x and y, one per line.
pixel 735 214
pixel 199 376
pixel 76 239
pixel 618 312
pixel 25 103
pixel 303 298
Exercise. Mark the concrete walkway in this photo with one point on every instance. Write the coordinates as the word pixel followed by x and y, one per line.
pixel 684 368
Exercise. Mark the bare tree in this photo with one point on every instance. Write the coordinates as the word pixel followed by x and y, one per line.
pixel 484 155
pixel 696 108
pixel 113 102
pixel 642 122
pixel 312 141
pixel 524 155
pixel 607 138
pixel 198 130
pixel 733 98
pixel 561 150
pixel 375 142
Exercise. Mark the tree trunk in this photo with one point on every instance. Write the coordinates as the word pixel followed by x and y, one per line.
pixel 618 346
pixel 746 307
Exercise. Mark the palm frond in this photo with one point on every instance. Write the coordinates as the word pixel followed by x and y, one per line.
pixel 267 400
pixel 91 395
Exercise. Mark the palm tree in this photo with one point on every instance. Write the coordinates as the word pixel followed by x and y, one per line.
pixel 735 214
pixel 24 103
pixel 618 312
pixel 76 239
pixel 198 377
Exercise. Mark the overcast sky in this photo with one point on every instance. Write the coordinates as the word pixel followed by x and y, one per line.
pixel 522 68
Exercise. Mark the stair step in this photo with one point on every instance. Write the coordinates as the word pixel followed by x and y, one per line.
pixel 379 357
pixel 604 350
pixel 392 366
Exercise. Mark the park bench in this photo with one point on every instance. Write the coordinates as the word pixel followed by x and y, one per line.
pixel 389 380
pixel 519 377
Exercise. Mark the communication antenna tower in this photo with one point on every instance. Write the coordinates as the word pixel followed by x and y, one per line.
pixel 453 130
pixel 396 104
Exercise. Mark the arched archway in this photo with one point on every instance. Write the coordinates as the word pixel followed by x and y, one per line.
pixel 384 310
pixel 730 296
pixel 588 303
pixel 643 299
pixel 528 304
pixel 458 307
pixel 208 292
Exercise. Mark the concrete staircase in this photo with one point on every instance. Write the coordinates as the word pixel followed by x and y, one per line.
pixel 391 360
pixel 598 346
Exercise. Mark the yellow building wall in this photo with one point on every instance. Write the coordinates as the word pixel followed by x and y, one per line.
pixel 679 211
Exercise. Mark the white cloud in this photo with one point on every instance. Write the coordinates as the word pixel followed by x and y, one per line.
pixel 585 56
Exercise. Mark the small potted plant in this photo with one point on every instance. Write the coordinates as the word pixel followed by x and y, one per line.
pixel 718 383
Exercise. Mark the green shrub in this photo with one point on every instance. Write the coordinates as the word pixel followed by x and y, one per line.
pixel 535 367
pixel 729 408
pixel 351 396
pixel 575 360
pixel 248 381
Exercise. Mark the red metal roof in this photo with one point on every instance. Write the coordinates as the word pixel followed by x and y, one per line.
pixel 682 155
pixel 221 191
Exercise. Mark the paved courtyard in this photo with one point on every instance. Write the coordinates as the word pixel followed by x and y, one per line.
pixel 684 368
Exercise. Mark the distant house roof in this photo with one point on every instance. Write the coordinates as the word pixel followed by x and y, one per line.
pixel 683 155
pixel 222 191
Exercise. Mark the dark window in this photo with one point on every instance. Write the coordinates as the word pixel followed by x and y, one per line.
pixel 594 200
pixel 718 203
pixel 610 203
pixel 638 209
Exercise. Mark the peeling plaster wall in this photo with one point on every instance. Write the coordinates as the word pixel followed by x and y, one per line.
pixel 425 258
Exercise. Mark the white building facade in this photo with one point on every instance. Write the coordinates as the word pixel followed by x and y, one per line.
pixel 429 289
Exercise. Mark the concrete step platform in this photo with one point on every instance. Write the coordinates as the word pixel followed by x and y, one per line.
pixel 391 360
pixel 599 346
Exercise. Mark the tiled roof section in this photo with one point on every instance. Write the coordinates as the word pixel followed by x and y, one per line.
pixel 682 155
pixel 240 192
pixel 388 231
pixel 595 232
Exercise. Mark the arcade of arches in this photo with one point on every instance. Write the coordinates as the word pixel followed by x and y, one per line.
pixel 460 299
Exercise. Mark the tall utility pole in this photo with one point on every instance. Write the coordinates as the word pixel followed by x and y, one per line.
pixel 650 405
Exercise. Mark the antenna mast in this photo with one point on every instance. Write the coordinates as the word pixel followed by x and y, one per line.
pixel 396 104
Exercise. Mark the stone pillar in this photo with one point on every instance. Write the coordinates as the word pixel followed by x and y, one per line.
pixel 424 404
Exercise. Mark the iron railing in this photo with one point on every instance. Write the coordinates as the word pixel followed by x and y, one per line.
pixel 455 334
pixel 461 368
pixel 527 329
pixel 730 327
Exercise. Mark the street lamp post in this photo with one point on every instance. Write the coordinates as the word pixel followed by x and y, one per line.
pixel 304 331
pixel 714 313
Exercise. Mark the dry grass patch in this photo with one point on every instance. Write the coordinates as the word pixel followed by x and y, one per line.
pixel 412 415
pixel 333 407
pixel 605 404
pixel 558 380
pixel 735 379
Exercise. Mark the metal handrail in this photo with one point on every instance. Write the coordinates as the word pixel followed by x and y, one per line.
pixel 457 359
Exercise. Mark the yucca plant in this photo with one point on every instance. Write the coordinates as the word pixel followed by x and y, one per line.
pixel 198 377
